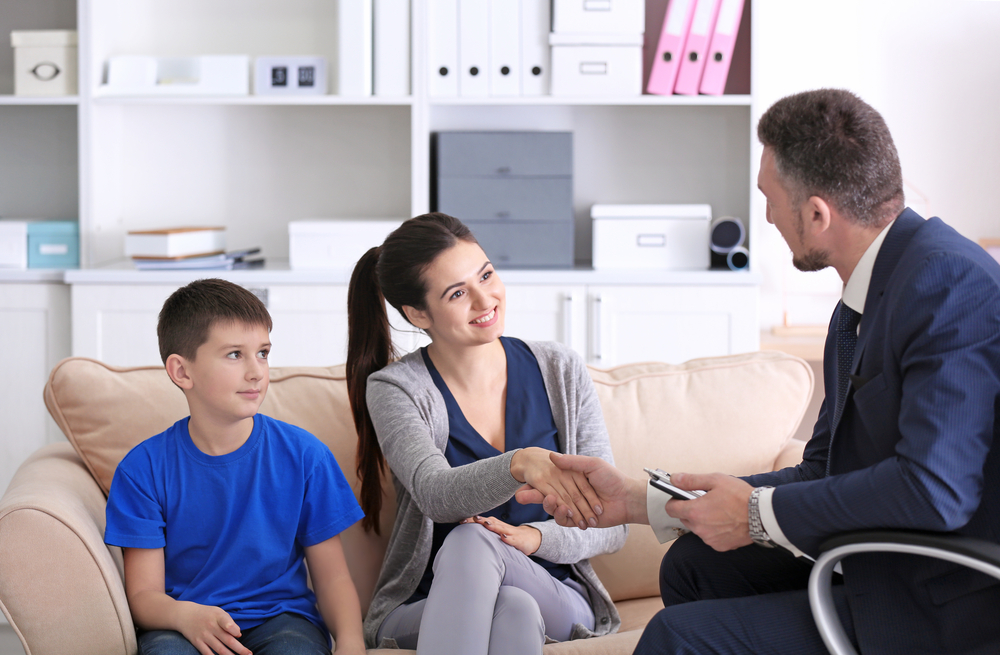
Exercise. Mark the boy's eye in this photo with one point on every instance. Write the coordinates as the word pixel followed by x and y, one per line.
pixel 262 354
pixel 234 355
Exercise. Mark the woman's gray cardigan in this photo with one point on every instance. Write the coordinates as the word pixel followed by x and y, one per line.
pixel 411 422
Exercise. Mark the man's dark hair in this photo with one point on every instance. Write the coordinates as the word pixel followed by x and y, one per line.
pixel 830 143
pixel 191 311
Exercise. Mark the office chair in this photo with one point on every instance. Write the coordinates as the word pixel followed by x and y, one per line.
pixel 974 553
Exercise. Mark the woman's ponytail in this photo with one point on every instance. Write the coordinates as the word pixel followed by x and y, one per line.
pixel 391 273
pixel 369 349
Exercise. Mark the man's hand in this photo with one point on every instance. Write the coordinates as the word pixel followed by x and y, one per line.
pixel 209 629
pixel 534 466
pixel 720 517
pixel 623 499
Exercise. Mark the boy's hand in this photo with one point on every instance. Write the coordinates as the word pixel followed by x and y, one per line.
pixel 210 630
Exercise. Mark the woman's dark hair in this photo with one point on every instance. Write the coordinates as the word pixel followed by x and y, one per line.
pixel 393 273
pixel 830 143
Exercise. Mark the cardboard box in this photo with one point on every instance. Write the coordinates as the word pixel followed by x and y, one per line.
pixel 53 244
pixel 578 16
pixel 317 244
pixel 663 237
pixel 13 244
pixel 596 64
pixel 45 62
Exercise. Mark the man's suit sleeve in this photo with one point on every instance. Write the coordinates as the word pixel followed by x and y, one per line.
pixel 942 354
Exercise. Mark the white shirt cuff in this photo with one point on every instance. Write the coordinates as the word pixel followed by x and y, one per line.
pixel 770 522
pixel 664 526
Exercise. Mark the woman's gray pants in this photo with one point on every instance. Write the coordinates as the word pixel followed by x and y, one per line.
pixel 487 598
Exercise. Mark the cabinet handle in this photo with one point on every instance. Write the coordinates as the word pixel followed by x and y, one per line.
pixel 595 346
pixel 567 326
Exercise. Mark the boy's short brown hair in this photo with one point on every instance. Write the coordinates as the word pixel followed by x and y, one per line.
pixel 191 311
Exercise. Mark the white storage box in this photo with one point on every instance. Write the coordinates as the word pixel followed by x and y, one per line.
pixel 622 16
pixel 596 64
pixel 14 244
pixel 45 62
pixel 334 243
pixel 670 237
pixel 220 75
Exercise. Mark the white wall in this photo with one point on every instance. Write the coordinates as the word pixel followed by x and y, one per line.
pixel 932 68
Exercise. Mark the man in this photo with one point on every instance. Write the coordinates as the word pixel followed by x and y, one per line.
pixel 906 438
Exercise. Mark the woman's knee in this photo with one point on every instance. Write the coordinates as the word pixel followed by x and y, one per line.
pixel 468 546
pixel 517 611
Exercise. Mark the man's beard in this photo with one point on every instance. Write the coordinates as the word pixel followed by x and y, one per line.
pixel 814 260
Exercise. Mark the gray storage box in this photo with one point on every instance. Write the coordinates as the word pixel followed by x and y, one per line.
pixel 514 190
pixel 526 245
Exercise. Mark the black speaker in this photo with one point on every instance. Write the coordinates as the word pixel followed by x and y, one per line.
pixel 726 242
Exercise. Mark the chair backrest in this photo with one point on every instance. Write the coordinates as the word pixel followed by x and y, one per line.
pixel 732 414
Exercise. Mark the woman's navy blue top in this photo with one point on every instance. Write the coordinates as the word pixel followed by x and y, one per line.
pixel 527 422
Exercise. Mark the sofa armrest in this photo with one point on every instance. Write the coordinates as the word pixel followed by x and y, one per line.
pixel 790 455
pixel 61 587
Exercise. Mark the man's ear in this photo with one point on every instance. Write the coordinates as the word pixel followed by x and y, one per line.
pixel 418 317
pixel 177 370
pixel 817 215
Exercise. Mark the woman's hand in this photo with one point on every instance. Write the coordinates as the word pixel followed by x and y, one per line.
pixel 534 467
pixel 523 537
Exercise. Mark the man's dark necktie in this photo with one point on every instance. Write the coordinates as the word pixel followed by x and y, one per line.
pixel 847 339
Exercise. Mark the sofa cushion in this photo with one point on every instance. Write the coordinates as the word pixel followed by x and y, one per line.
pixel 730 414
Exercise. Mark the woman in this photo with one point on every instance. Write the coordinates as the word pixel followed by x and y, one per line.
pixel 463 423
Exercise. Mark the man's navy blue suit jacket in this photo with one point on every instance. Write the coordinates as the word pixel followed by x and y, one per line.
pixel 917 446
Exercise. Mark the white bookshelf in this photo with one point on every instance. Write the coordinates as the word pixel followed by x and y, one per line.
pixel 255 163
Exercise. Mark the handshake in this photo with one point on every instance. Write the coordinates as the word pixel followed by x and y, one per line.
pixel 582 492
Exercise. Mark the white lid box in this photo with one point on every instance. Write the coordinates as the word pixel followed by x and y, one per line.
pixel 42 38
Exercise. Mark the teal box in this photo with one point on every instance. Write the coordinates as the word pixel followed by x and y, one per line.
pixel 53 244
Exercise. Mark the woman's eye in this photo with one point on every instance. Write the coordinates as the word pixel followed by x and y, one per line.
pixel 234 355
pixel 486 276
pixel 457 294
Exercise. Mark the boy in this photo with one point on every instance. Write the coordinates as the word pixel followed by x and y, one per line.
pixel 216 514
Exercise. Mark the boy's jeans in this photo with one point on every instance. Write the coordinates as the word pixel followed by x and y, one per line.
pixel 285 634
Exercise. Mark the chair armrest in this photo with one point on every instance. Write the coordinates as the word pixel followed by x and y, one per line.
pixel 981 555
pixel 61 587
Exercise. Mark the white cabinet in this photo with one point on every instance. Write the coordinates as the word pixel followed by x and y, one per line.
pixel 116 323
pixel 612 324
pixel 670 324
pixel 34 330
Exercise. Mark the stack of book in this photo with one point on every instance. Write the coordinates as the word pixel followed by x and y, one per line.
pixel 187 248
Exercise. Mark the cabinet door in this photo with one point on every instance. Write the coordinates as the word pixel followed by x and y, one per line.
pixel 310 326
pixel 116 323
pixel 547 313
pixel 34 328
pixel 671 324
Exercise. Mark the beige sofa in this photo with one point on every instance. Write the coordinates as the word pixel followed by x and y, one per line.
pixel 61 587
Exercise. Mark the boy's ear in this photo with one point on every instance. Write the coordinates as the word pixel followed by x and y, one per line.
pixel 418 318
pixel 177 370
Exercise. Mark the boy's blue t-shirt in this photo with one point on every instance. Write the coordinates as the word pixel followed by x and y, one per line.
pixel 233 527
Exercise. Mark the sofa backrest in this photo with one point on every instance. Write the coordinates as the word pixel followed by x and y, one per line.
pixel 731 414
